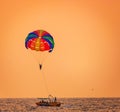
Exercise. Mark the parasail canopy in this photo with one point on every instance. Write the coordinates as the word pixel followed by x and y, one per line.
pixel 39 40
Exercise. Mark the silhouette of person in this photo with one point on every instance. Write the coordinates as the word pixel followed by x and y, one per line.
pixel 40 65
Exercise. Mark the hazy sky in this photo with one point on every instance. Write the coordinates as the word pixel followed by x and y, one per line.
pixel 86 58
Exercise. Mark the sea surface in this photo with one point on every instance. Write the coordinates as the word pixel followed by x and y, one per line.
pixel 68 105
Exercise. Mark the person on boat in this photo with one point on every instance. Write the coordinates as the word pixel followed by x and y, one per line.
pixel 55 100
pixel 43 101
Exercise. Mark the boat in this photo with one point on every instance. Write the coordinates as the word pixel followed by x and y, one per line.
pixel 50 101
pixel 44 103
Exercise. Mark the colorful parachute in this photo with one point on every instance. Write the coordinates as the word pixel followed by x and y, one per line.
pixel 39 40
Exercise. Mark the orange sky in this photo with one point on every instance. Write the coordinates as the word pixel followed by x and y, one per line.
pixel 86 58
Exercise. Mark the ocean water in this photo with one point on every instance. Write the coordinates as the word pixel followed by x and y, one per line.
pixel 68 105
